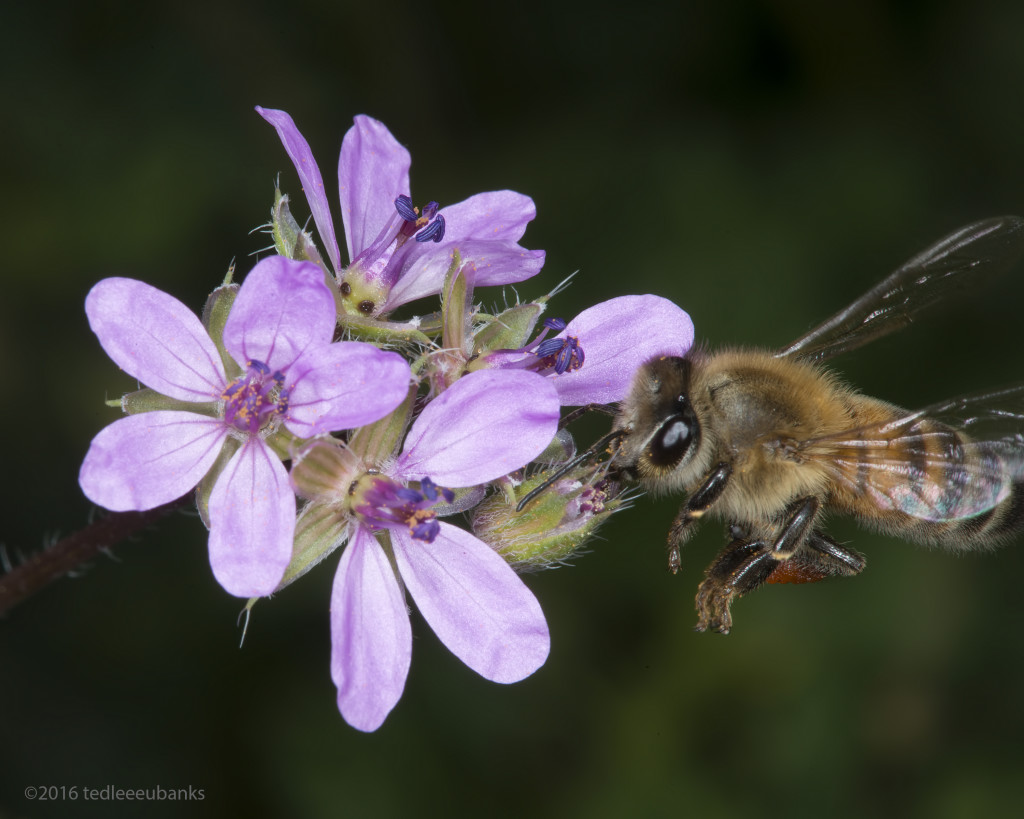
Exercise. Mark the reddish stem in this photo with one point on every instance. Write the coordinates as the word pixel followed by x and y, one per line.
pixel 68 553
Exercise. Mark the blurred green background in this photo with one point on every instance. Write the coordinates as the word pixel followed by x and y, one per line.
pixel 760 163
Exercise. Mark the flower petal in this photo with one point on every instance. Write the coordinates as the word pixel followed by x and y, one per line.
pixel 143 461
pixel 618 336
pixel 309 175
pixel 501 215
pixel 475 603
pixel 371 639
pixel 282 308
pixel 492 263
pixel 252 522
pixel 487 424
pixel 373 170
pixel 345 385
pixel 155 338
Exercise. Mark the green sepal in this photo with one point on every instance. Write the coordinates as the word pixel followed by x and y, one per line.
pixel 377 442
pixel 383 332
pixel 509 330
pixel 147 400
pixel 455 296
pixel 215 316
pixel 431 324
pixel 284 442
pixel 319 530
pixel 205 487
pixel 290 239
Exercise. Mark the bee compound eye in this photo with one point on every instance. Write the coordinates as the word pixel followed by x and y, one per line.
pixel 673 439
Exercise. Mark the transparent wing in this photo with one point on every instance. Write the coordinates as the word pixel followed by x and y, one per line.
pixel 949 461
pixel 961 261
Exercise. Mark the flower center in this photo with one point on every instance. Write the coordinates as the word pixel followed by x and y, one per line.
pixel 381 503
pixel 426 225
pixel 365 283
pixel 560 354
pixel 256 398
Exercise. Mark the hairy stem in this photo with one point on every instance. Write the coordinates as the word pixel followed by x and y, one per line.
pixel 70 552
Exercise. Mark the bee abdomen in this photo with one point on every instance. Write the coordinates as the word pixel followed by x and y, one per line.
pixel 992 527
pixel 955 492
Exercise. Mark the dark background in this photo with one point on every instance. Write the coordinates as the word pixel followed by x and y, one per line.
pixel 760 163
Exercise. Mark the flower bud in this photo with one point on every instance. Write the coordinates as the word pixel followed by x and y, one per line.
pixel 552 526
pixel 325 469
pixel 291 241
pixel 215 317
pixel 510 329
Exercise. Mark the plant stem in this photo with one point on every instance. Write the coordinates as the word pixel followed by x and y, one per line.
pixel 44 567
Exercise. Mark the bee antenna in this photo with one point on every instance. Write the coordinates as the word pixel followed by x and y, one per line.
pixel 598 445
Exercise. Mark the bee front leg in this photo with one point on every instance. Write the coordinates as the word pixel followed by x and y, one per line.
pixel 699 503
pixel 744 565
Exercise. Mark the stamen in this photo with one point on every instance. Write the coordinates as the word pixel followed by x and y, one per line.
pixel 434 232
pixel 561 354
pixel 387 504
pixel 405 208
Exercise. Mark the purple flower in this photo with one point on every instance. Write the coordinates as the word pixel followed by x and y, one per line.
pixel 279 333
pixel 594 356
pixel 400 253
pixel 484 426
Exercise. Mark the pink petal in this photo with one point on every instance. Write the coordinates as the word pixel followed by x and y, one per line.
pixel 618 336
pixel 372 172
pixel 282 308
pixel 475 603
pixel 155 338
pixel 309 175
pixel 487 424
pixel 500 215
pixel 143 461
pixel 252 522
pixel 371 639
pixel 343 386
pixel 492 263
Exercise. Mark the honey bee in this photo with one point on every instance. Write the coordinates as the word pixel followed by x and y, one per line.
pixel 772 441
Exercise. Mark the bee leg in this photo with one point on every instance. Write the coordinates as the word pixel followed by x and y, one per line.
pixel 802 514
pixel 740 567
pixel 579 412
pixel 821 557
pixel 698 503
pixel 744 565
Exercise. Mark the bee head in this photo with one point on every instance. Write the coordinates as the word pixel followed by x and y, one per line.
pixel 677 435
pixel 662 426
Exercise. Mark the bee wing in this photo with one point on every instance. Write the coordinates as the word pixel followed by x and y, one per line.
pixel 949 461
pixel 961 261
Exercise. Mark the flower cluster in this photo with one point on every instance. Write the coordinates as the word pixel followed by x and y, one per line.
pixel 308 418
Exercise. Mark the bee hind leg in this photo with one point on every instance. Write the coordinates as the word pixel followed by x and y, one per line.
pixel 821 557
pixel 744 565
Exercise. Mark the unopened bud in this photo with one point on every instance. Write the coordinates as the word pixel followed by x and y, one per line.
pixel 290 239
pixel 508 330
pixel 551 527
pixel 325 469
